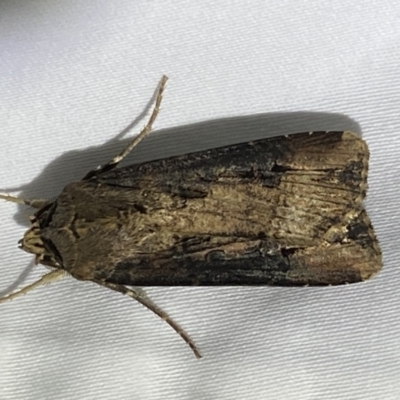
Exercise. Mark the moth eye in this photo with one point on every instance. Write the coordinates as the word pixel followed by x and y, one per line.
pixel 52 249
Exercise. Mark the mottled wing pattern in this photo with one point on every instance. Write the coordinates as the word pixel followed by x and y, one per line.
pixel 279 211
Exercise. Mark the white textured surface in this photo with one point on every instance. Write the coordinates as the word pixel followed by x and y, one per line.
pixel 74 74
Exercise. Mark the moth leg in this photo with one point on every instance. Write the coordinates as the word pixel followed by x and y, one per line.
pixel 142 299
pixel 145 131
pixel 46 279
pixel 35 203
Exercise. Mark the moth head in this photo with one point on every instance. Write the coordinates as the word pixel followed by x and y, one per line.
pixel 32 243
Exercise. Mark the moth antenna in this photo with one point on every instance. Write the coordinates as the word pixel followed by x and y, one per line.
pixel 35 203
pixel 46 279
pixel 145 301
pixel 145 132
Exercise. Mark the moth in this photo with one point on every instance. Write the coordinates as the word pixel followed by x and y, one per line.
pixel 280 211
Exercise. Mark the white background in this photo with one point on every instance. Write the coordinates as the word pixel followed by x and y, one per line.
pixel 75 74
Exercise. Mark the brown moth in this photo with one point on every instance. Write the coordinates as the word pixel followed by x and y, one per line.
pixel 279 211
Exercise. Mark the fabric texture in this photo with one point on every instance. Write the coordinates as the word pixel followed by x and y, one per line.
pixel 74 76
